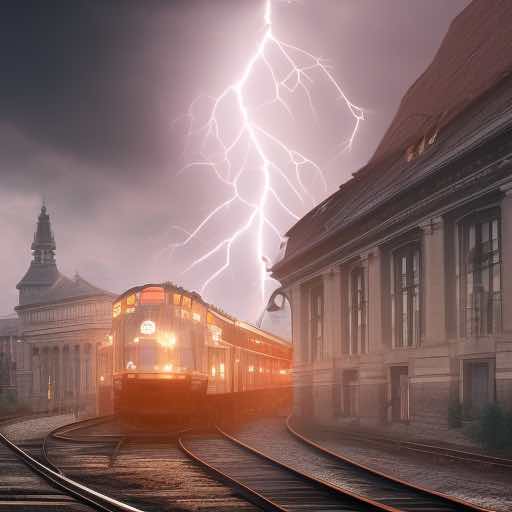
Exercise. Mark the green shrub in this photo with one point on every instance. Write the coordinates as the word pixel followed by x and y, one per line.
pixel 455 414
pixel 494 428
pixel 7 403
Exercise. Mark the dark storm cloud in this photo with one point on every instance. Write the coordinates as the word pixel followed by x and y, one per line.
pixel 103 79
pixel 89 91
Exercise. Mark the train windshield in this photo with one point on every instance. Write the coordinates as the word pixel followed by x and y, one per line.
pixel 159 332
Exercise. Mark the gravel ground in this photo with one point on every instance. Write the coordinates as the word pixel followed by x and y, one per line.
pixel 488 488
pixel 34 428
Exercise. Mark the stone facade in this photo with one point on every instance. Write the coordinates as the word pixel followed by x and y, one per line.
pixel 399 283
pixel 52 346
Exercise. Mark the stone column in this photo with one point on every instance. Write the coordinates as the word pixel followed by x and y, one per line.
pixel 36 373
pixel 506 258
pixel 61 380
pixel 75 372
pixel 296 311
pixel 433 281
pixel 504 345
pixel 332 312
pixel 373 261
pixel 295 307
pixel 93 356
pixel 372 374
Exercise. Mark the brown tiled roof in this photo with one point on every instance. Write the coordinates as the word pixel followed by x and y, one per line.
pixel 475 54
pixel 467 87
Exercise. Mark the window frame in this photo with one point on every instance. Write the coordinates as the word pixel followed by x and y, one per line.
pixel 474 327
pixel 411 291
pixel 357 311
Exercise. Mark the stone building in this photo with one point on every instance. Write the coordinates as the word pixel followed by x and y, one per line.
pixel 61 321
pixel 8 349
pixel 400 283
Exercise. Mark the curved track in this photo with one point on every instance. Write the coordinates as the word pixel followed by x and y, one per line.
pixel 267 482
pixel 429 449
pixel 398 493
pixel 71 494
pixel 143 465
pixel 264 476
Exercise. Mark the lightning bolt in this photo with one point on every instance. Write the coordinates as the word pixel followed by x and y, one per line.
pixel 217 152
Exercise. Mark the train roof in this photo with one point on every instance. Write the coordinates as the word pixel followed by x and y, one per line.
pixel 168 285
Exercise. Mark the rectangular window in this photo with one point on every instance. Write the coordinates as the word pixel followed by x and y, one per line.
pixel 316 320
pixel 480 277
pixel 357 310
pixel 407 296
pixel 152 295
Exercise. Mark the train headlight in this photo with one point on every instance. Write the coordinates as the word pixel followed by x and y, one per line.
pixel 168 340
pixel 130 365
pixel 148 327
pixel 168 368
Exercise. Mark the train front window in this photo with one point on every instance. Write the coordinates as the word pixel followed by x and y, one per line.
pixel 152 295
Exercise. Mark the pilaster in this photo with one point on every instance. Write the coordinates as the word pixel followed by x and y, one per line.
pixel 332 312
pixel 372 261
pixel 433 279
pixel 297 323
pixel 506 255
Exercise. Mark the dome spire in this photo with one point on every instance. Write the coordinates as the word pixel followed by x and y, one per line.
pixel 43 247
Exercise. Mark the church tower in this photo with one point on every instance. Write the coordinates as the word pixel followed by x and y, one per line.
pixel 43 272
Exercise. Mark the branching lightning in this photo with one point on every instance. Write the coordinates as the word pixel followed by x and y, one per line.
pixel 258 146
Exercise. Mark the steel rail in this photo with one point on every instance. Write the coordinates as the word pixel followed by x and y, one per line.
pixel 344 498
pixel 458 503
pixel 247 492
pixel 363 500
pixel 429 449
pixel 82 493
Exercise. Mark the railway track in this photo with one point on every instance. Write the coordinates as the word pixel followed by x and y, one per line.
pixel 266 482
pixel 436 451
pixel 264 476
pixel 427 499
pixel 29 483
pixel 146 468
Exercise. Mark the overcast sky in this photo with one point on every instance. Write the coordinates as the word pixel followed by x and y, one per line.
pixel 91 94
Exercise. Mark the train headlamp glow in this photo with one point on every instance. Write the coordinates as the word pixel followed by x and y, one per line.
pixel 167 340
pixel 148 327
pixel 168 368
pixel 130 365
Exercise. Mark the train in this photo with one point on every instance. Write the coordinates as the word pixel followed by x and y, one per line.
pixel 171 353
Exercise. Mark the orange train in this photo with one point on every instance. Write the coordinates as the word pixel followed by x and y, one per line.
pixel 169 350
